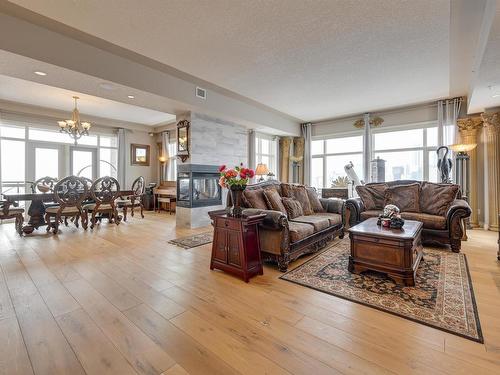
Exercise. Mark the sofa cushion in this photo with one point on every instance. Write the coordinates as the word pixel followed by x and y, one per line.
pixel 314 200
pixel 254 198
pixel 335 219
pixel 299 231
pixel 429 221
pixel 372 195
pixel 286 190
pixel 293 207
pixel 405 197
pixel 299 192
pixel 436 199
pixel 370 213
pixel 318 222
pixel 273 200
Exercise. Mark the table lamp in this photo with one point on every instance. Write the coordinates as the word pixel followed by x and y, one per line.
pixel 261 170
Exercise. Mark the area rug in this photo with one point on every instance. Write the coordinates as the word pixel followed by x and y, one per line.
pixel 442 297
pixel 195 240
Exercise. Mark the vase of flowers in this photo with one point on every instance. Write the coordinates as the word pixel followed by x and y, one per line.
pixel 236 180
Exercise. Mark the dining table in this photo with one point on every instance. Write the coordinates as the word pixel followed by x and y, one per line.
pixel 36 209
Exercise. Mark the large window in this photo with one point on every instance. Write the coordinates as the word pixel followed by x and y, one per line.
pixel 330 156
pixel 409 154
pixel 28 152
pixel 266 151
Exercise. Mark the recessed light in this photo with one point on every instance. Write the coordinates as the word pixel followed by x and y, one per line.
pixel 39 73
pixel 130 96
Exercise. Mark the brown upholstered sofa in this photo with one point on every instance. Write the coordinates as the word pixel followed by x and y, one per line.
pixel 438 206
pixel 283 235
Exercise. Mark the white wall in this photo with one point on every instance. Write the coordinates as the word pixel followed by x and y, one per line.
pixel 150 173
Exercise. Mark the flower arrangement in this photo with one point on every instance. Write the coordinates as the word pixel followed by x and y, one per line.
pixel 237 176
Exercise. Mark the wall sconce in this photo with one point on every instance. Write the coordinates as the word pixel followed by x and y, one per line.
pixel 162 159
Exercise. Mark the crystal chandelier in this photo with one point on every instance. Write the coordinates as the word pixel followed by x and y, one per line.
pixel 74 127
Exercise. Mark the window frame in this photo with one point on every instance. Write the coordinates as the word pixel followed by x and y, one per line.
pixel 272 156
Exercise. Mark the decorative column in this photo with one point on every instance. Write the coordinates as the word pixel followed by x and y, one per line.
pixel 285 143
pixel 298 159
pixel 492 125
pixel 468 128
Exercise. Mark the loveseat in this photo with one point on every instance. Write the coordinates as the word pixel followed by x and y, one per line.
pixel 438 206
pixel 297 221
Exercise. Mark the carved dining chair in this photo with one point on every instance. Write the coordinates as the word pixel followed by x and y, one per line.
pixel 104 192
pixel 130 202
pixel 9 212
pixel 44 185
pixel 69 193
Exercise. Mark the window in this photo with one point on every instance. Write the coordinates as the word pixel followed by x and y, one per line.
pixel 265 151
pixel 329 156
pixel 172 160
pixel 409 154
pixel 12 166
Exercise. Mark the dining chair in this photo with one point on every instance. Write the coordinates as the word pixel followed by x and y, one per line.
pixel 138 187
pixel 104 192
pixel 44 185
pixel 69 193
pixel 8 212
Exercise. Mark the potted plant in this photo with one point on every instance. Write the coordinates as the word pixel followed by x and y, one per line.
pixel 236 180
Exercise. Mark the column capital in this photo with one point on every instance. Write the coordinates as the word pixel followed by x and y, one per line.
pixel 491 121
pixel 470 123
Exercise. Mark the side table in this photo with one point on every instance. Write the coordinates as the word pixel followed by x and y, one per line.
pixel 236 247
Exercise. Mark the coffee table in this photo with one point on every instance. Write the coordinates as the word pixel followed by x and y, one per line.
pixel 396 252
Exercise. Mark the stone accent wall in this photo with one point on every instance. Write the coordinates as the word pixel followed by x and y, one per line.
pixel 212 142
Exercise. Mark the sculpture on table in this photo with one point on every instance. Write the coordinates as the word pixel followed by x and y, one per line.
pixel 353 177
pixel 444 165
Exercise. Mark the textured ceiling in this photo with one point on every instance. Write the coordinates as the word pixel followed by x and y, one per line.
pixel 486 91
pixel 28 92
pixel 310 59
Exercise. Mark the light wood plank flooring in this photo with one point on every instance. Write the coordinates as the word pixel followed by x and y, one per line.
pixel 121 300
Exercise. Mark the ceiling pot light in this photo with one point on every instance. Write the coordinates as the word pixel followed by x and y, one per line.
pixel 130 96
pixel 107 86
pixel 40 73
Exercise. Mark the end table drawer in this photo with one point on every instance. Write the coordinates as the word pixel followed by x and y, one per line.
pixel 228 224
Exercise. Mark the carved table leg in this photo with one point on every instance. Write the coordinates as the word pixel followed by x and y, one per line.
pixel 36 213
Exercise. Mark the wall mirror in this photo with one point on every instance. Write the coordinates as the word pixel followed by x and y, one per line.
pixel 183 139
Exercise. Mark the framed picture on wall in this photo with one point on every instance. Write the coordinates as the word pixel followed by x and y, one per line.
pixel 139 154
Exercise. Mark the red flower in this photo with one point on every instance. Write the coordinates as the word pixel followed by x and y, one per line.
pixel 222 167
pixel 243 172
pixel 231 173
pixel 251 173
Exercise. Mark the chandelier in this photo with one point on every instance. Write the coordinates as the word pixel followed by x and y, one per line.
pixel 74 127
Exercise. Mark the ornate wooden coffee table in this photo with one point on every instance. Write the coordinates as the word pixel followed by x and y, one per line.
pixel 396 252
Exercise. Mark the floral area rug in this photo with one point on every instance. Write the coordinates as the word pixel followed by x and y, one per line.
pixel 195 240
pixel 442 297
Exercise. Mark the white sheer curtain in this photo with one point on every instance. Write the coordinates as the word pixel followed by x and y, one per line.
pixel 251 149
pixel 306 133
pixel 169 146
pixel 122 157
pixel 448 112
pixel 367 147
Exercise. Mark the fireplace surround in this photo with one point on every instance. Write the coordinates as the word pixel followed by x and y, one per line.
pixel 198 186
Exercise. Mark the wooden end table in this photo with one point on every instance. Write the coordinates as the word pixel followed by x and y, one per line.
pixel 396 252
pixel 236 247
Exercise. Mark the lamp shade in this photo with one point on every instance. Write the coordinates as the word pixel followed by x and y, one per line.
pixel 261 169
pixel 461 147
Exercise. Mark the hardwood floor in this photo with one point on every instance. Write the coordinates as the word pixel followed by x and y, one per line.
pixel 121 300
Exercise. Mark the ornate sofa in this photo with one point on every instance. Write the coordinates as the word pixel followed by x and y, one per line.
pixel 284 237
pixel 438 206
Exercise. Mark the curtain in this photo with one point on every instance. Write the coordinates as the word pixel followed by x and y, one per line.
pixel 306 133
pixel 251 150
pixel 448 112
pixel 165 136
pixel 122 157
pixel 276 140
pixel 367 148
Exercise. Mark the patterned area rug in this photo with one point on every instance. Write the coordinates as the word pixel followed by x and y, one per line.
pixel 442 297
pixel 189 242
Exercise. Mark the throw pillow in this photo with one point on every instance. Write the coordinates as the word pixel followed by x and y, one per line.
pixel 254 198
pixel 293 207
pixel 405 197
pixel 372 195
pixel 436 199
pixel 299 192
pixel 273 200
pixel 286 190
pixel 314 199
